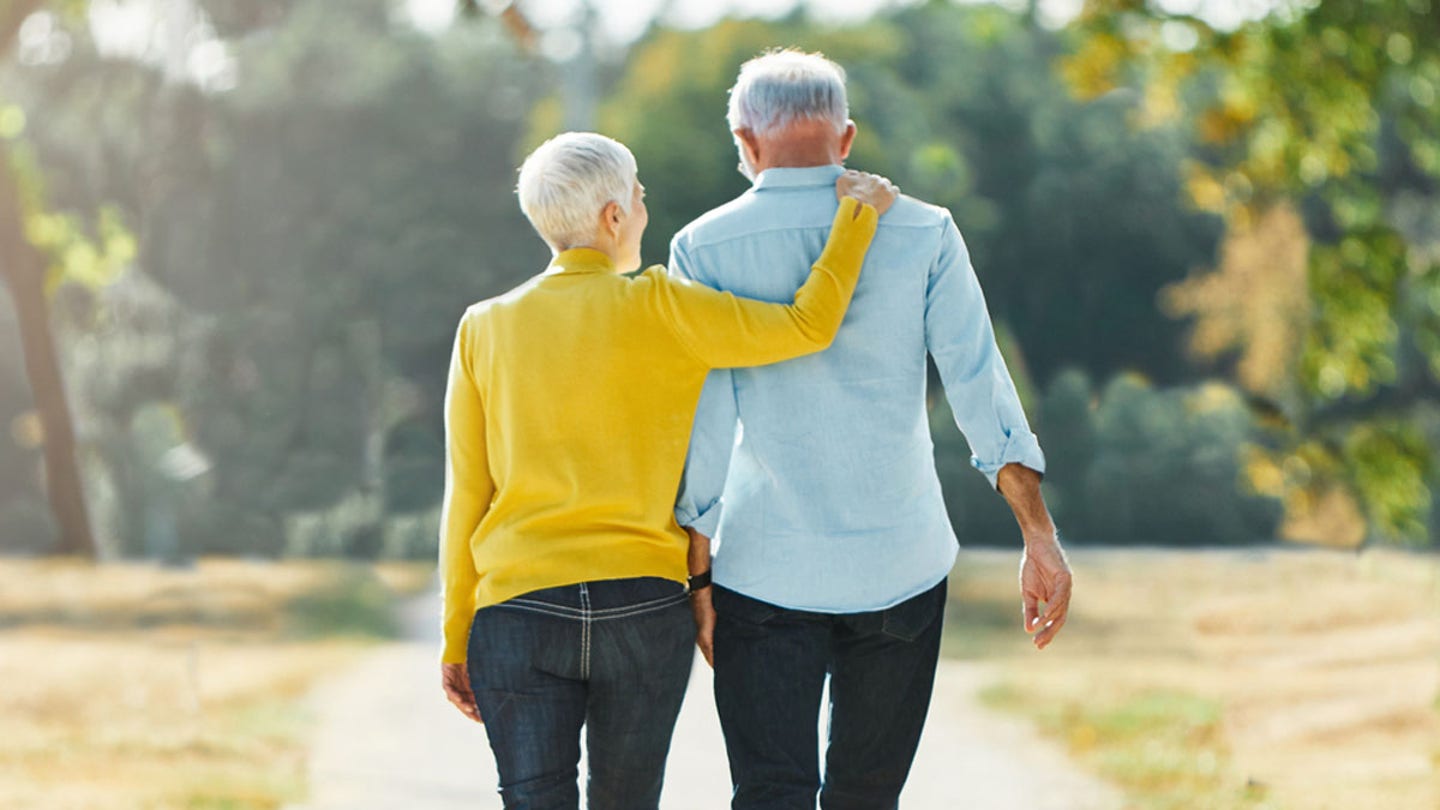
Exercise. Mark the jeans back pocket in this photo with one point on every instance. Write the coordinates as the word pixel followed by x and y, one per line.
pixel 742 608
pixel 910 619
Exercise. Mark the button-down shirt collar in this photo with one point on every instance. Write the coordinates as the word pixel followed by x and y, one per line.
pixel 798 177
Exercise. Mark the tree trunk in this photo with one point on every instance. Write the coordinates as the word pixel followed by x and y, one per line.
pixel 24 270
pixel 12 14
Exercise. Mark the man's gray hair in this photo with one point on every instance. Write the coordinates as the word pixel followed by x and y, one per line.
pixel 568 180
pixel 782 86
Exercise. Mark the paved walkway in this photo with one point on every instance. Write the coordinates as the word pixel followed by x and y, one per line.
pixel 388 740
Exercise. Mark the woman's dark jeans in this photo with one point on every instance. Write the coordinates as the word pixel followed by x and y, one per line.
pixel 613 656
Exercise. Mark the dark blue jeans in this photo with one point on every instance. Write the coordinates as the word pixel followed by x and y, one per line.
pixel 770 669
pixel 611 656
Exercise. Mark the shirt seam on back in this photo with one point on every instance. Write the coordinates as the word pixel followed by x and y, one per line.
pixel 697 244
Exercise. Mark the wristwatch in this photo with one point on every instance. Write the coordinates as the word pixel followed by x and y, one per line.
pixel 698 581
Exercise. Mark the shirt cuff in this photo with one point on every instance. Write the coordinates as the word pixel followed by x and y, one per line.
pixel 705 522
pixel 1021 447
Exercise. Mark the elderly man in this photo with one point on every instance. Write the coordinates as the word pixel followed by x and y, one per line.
pixel 833 541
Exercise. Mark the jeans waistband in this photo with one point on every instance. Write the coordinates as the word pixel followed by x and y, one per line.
pixel 602 599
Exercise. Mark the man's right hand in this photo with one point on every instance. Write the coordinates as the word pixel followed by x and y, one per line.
pixel 871 189
pixel 1045 578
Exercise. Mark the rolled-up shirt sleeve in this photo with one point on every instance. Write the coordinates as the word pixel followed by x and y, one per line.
pixel 699 503
pixel 978 386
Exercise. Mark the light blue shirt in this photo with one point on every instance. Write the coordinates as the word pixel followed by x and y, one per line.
pixel 816 476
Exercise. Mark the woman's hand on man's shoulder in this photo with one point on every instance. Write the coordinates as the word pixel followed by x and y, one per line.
pixel 871 189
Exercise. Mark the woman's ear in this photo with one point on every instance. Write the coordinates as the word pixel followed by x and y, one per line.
pixel 610 217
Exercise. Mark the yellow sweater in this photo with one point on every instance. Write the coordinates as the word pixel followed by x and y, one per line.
pixel 568 416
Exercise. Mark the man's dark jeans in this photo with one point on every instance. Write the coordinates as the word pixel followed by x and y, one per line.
pixel 770 668
pixel 613 656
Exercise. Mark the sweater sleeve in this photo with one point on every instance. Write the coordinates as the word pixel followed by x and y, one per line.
pixel 468 491
pixel 723 330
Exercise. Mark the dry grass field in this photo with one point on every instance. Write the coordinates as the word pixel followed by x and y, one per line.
pixel 1289 679
pixel 132 686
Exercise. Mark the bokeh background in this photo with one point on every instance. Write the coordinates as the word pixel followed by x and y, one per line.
pixel 236 236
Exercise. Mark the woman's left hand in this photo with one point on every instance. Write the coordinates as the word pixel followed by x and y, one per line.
pixel 456 680
pixel 869 189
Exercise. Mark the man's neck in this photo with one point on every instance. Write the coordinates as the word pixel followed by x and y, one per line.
pixel 801 145
pixel 801 163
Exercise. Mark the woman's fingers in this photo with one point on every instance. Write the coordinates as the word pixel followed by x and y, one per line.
pixel 456 681
pixel 703 608
pixel 871 189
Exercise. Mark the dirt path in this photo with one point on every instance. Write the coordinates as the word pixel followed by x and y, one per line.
pixel 387 739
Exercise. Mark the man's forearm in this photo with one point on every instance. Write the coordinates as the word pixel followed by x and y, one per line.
pixel 699 555
pixel 1020 487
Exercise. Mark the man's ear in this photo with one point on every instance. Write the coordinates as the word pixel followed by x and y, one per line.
pixel 847 140
pixel 749 143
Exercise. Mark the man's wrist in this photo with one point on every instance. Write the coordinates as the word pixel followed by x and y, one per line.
pixel 1041 537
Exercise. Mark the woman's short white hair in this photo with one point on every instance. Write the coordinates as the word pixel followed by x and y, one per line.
pixel 781 86
pixel 568 180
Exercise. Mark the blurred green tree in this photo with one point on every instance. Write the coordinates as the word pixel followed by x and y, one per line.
pixel 24 265
pixel 1071 216
pixel 1074 220
pixel 1130 464
pixel 258 369
pixel 310 227
pixel 1334 109
pixel 25 522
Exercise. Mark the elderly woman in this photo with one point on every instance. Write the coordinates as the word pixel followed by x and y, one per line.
pixel 568 414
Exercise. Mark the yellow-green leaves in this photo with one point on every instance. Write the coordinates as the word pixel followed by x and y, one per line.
pixel 12 121
pixel 93 257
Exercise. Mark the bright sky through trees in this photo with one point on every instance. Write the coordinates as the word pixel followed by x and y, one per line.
pixel 624 20
pixel 137 27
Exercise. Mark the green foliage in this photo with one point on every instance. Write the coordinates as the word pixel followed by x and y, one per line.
pixel 278 267
pixel 1072 218
pixel 1165 468
pixel 1355 284
pixel 306 243
pixel 411 450
pixel 1129 465
pixel 78 258
pixel 355 603
pixel 1390 462
pixel 12 122
pixel 25 524
pixel 1333 104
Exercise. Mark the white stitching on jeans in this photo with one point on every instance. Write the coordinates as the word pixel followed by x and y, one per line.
pixel 595 616
pixel 584 631
pixel 598 614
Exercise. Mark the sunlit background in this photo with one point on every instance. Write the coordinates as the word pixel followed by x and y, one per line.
pixel 236 236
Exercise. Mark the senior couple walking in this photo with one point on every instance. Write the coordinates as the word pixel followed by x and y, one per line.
pixel 603 427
